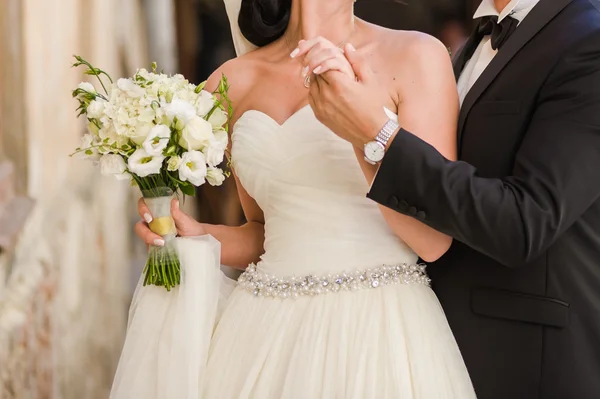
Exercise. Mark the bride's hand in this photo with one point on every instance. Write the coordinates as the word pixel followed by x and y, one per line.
pixel 185 224
pixel 321 55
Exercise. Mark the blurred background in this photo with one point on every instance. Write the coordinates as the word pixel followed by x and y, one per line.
pixel 68 259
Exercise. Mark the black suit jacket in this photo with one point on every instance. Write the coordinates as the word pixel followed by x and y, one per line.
pixel 521 284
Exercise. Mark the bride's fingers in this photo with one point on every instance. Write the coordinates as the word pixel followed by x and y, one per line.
pixel 143 231
pixel 144 211
pixel 183 222
pixel 179 216
pixel 318 57
pixel 304 46
pixel 335 64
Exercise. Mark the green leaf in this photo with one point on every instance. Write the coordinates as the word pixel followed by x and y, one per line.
pixel 188 189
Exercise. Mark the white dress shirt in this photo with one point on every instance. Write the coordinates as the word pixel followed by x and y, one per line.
pixel 484 54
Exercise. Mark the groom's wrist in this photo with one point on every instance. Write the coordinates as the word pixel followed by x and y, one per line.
pixel 376 126
pixel 371 129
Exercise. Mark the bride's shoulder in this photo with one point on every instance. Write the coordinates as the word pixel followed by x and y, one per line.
pixel 241 72
pixel 414 49
pixel 410 59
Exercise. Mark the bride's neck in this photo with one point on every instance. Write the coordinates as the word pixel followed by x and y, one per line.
pixel 331 19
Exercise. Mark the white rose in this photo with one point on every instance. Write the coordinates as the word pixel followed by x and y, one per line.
pixel 140 133
pixel 129 87
pixel 96 109
pixel 173 163
pixel 193 168
pixel 86 86
pixel 196 135
pixel 215 176
pixel 157 140
pixel 143 164
pixel 182 110
pixel 205 103
pixel 114 165
pixel 218 118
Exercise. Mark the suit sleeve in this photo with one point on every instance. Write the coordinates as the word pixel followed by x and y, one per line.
pixel 555 177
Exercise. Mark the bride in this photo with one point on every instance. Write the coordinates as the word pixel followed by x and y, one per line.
pixel 333 304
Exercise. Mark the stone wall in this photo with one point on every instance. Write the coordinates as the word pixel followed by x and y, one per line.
pixel 65 273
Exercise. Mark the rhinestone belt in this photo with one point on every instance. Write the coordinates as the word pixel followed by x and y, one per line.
pixel 261 284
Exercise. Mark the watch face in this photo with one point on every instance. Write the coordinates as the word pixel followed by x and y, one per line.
pixel 374 151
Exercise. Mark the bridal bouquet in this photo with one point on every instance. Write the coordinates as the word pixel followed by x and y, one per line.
pixel 163 134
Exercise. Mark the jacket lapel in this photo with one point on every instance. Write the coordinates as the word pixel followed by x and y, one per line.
pixel 539 16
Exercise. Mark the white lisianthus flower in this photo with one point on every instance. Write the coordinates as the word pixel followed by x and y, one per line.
pixel 114 165
pixel 193 168
pixel 182 110
pixel 218 118
pixel 205 103
pixel 221 138
pixel 215 176
pixel 86 86
pixel 143 164
pixel 129 87
pixel 214 155
pixel 157 140
pixel 96 109
pixel 173 163
pixel 196 135
pixel 215 151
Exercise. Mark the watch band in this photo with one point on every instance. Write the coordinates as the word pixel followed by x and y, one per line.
pixel 386 132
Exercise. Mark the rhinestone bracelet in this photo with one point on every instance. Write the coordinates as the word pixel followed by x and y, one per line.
pixel 261 284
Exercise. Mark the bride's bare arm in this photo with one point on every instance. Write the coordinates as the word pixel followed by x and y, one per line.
pixel 428 107
pixel 240 245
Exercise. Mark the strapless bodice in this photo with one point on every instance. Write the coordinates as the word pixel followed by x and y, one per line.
pixel 312 191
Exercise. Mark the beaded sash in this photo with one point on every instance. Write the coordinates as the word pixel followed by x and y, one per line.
pixel 261 284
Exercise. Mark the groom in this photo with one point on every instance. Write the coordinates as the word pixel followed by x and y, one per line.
pixel 521 284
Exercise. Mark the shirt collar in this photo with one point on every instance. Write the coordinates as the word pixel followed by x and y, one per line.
pixel 518 9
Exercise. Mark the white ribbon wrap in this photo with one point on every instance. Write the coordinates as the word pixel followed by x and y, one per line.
pixel 168 335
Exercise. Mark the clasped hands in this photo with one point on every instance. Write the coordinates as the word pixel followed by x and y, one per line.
pixel 344 92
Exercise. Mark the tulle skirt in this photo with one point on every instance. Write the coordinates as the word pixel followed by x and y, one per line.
pixel 390 342
pixel 210 340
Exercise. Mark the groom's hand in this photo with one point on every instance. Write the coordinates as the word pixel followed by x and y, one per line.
pixel 351 108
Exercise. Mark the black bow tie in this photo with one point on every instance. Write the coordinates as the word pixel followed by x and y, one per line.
pixel 500 32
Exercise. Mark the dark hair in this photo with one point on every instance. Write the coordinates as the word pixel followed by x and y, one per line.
pixel 264 21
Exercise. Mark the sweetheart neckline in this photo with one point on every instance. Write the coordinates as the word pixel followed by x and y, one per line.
pixel 284 123
pixel 269 117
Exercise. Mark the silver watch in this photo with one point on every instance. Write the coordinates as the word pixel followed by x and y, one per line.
pixel 375 150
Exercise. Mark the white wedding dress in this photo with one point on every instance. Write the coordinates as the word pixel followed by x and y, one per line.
pixel 320 316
